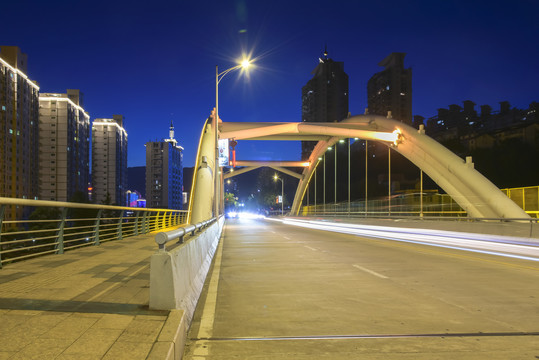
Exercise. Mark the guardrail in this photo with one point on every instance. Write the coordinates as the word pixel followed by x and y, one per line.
pixel 413 203
pixel 30 228
pixel 163 237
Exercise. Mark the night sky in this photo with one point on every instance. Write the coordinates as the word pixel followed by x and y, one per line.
pixel 154 61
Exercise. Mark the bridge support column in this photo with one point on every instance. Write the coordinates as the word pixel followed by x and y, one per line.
pixel 202 200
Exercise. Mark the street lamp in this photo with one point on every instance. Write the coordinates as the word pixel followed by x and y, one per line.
pixel 218 77
pixel 282 192
pixel 341 141
pixel 324 192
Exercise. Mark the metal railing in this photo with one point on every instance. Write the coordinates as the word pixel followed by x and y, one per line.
pixel 52 227
pixel 408 204
pixel 413 204
pixel 525 197
pixel 163 237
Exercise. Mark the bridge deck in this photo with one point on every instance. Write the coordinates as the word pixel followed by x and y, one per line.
pixel 284 292
pixel 90 303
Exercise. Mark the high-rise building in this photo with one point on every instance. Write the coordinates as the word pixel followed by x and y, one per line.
pixel 19 120
pixel 164 173
pixel 324 97
pixel 109 160
pixel 391 89
pixel 64 146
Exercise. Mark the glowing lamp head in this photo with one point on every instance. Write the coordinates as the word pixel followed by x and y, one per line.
pixel 398 137
pixel 245 63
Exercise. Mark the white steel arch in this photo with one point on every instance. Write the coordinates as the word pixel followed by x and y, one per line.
pixel 472 191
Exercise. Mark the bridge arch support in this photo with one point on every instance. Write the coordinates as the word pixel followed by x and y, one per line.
pixel 477 195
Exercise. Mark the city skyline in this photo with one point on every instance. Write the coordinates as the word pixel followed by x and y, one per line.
pixel 156 65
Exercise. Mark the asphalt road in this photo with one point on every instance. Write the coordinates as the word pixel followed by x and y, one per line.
pixel 284 292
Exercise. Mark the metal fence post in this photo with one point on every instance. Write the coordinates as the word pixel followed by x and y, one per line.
pixel 2 211
pixel 136 223
pixel 164 222
pixel 145 222
pixel 60 237
pixel 96 229
pixel 120 225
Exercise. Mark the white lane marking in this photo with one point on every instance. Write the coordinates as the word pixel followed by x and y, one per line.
pixel 311 248
pixel 208 314
pixel 287 238
pixel 370 271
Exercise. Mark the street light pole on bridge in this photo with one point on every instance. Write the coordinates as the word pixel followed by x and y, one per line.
pixel 282 193
pixel 218 77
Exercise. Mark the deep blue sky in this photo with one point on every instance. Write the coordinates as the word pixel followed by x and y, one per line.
pixel 154 61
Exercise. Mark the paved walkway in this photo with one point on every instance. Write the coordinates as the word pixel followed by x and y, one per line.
pixel 90 303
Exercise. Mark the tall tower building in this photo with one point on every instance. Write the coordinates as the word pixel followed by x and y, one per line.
pixel 164 173
pixel 325 97
pixel 19 120
pixel 64 146
pixel 391 89
pixel 109 160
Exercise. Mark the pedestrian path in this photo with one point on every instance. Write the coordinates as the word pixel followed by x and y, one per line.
pixel 90 303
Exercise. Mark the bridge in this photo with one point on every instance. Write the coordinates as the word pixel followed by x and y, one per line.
pixel 105 282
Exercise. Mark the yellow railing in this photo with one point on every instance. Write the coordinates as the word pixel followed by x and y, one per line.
pixel 408 204
pixel 52 227
pixel 404 204
pixel 525 197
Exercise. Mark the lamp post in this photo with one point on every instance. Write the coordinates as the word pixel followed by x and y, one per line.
pixel 315 186
pixel 324 192
pixel 349 141
pixel 218 77
pixel 421 195
pixel 341 141
pixel 366 178
pixel 282 193
pixel 389 180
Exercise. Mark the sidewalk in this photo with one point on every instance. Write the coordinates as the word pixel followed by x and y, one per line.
pixel 90 303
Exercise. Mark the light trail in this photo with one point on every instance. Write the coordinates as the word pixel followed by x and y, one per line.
pixel 479 243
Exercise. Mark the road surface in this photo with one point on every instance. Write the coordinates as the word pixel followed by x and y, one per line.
pixel 278 291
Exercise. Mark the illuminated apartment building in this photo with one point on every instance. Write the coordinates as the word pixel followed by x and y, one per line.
pixel 64 146
pixel 109 160
pixel 324 97
pixel 19 118
pixel 164 173
pixel 391 89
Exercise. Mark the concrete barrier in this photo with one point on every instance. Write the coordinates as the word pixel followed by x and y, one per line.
pixel 177 276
